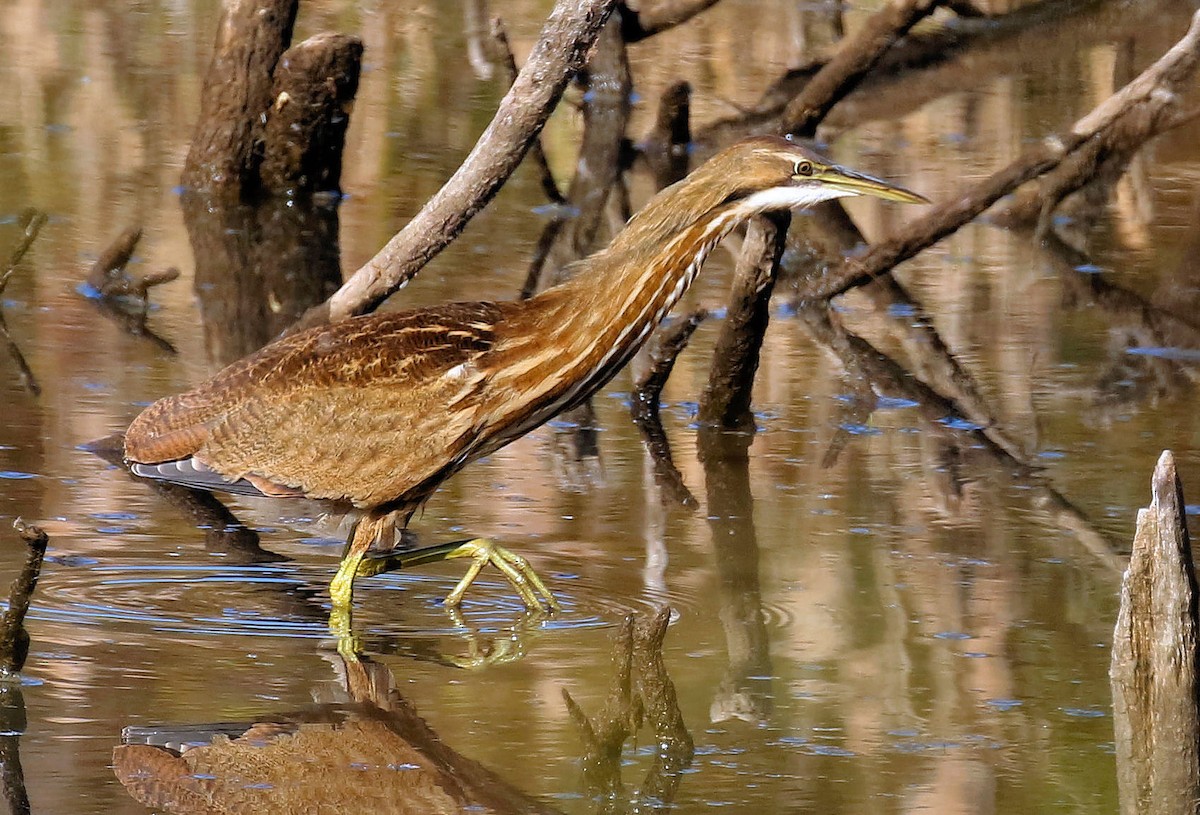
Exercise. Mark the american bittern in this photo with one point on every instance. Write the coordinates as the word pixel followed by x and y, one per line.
pixel 377 411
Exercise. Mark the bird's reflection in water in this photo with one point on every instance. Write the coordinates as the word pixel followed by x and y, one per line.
pixel 362 748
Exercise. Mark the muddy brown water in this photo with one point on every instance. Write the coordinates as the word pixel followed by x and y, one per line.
pixel 868 616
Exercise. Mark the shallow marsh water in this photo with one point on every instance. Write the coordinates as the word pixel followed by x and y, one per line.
pixel 888 629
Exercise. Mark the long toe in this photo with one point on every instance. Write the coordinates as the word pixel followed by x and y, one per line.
pixel 516 569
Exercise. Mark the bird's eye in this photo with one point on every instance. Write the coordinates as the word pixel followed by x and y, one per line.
pixel 803 168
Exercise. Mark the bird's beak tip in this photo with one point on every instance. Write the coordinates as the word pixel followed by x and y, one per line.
pixel 910 197
pixel 862 184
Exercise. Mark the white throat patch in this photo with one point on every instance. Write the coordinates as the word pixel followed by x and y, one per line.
pixel 787 198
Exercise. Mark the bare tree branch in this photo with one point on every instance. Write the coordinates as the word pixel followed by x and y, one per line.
pixel 854 59
pixel 1154 94
pixel 657 16
pixel 561 51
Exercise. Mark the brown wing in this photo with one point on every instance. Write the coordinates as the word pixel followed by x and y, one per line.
pixel 355 410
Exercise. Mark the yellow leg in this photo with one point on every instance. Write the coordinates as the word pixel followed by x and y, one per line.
pixel 341 588
pixel 520 574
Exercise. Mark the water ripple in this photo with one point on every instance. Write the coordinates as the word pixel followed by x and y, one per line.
pixel 291 601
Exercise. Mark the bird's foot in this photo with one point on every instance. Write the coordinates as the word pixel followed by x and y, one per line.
pixel 516 569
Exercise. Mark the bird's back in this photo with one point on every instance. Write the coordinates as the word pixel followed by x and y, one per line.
pixel 356 410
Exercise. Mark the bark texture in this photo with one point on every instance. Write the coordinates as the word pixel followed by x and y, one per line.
pixel 1154 660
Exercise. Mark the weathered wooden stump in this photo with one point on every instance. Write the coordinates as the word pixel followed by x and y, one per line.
pixel 1154 660
pixel 273 115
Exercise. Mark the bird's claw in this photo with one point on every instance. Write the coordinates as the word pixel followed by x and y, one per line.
pixel 514 567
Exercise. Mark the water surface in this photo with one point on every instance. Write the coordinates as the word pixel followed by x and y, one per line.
pixel 868 613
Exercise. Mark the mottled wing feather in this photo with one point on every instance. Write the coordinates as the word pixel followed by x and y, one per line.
pixel 360 444
pixel 355 410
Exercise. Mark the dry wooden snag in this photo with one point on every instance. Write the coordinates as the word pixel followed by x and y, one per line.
pixel 1153 670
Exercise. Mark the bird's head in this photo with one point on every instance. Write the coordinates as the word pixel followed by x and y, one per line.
pixel 770 173
pixel 755 175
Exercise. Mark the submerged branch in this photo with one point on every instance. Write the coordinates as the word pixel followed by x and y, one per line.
pixel 14 639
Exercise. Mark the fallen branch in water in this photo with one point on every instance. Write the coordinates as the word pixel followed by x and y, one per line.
pixel 1154 95
pixel 1102 159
